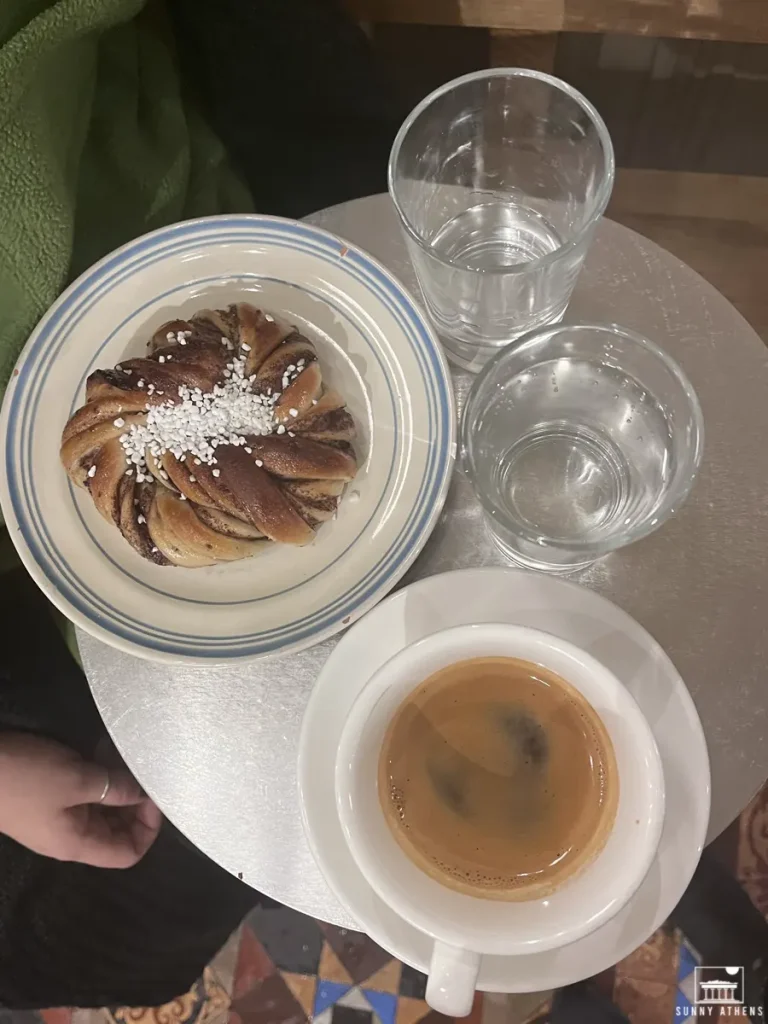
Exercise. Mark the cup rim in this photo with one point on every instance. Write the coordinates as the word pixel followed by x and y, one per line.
pixel 362 710
pixel 651 523
pixel 603 196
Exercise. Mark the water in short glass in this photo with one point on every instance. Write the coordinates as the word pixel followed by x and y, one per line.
pixel 579 439
pixel 499 179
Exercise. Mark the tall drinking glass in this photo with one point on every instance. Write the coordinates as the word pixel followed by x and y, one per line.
pixel 499 179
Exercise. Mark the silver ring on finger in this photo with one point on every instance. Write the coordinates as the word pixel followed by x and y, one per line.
pixel 104 792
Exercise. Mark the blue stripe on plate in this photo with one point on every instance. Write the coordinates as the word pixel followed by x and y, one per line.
pixel 125 263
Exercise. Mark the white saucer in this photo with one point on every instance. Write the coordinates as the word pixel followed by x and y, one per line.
pixel 599 627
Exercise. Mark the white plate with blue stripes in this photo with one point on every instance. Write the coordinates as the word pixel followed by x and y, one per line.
pixel 375 346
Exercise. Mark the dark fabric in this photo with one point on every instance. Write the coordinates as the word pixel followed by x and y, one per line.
pixel 583 1004
pixel 293 90
pixel 72 935
pixel 42 690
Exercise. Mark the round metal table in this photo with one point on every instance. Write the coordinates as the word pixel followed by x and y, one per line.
pixel 216 746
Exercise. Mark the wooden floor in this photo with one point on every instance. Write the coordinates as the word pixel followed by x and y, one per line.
pixel 717 224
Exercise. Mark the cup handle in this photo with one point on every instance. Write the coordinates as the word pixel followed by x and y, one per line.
pixel 452 979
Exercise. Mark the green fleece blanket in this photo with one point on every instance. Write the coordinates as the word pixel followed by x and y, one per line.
pixel 96 147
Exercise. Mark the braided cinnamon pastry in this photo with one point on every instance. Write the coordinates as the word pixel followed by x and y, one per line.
pixel 219 441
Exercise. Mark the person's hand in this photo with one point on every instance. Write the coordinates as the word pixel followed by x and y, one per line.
pixel 50 803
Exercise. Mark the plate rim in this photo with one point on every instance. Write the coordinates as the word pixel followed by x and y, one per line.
pixel 304 763
pixel 444 394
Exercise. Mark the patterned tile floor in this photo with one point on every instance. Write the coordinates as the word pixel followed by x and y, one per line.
pixel 281 967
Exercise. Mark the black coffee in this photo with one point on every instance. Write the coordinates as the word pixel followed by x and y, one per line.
pixel 498 779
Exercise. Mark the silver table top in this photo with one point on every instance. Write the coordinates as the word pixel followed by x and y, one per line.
pixel 216 746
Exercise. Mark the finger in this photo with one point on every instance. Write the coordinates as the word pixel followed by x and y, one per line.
pixel 106 844
pixel 149 815
pixel 118 854
pixel 119 837
pixel 145 826
pixel 123 789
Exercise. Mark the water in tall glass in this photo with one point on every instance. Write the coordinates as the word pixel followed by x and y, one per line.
pixel 495 234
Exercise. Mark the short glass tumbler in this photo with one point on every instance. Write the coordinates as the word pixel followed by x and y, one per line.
pixel 579 439
pixel 499 179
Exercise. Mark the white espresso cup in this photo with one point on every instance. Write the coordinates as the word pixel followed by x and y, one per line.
pixel 465 927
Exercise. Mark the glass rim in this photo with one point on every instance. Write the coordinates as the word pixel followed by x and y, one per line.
pixel 666 507
pixel 604 193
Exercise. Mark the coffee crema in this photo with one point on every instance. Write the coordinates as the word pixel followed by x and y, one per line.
pixel 498 779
